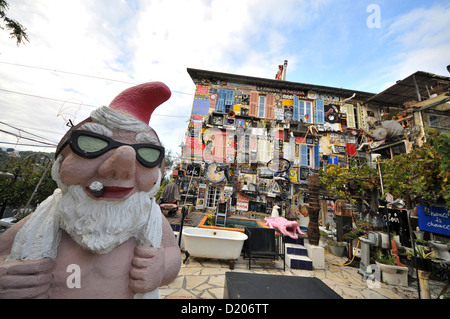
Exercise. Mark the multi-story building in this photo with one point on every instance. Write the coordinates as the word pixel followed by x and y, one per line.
pixel 263 137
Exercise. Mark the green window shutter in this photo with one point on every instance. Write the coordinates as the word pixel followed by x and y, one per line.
pixel 358 110
pixel 350 116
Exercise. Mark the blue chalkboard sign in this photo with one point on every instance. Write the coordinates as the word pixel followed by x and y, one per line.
pixel 434 219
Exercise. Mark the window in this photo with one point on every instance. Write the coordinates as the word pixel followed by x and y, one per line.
pixel 309 155
pixel 261 106
pixel 353 116
pixel 306 111
pixel 212 196
pixel 389 151
pixel 302 110
pixel 440 122
pixel 225 101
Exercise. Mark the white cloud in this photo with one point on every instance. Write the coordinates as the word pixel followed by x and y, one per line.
pixel 138 41
pixel 423 40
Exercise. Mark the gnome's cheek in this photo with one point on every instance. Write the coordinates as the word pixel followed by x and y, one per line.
pixel 147 178
pixel 75 170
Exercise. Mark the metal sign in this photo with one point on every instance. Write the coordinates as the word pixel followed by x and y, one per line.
pixel 434 219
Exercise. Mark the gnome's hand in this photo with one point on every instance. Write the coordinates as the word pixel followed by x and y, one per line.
pixel 26 278
pixel 147 269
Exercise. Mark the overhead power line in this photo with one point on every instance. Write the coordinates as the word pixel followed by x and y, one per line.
pixel 47 98
pixel 27 138
pixel 79 74
pixel 22 130
pixel 34 145
pixel 77 103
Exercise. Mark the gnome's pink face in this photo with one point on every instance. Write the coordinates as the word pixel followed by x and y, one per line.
pixel 115 147
pixel 124 163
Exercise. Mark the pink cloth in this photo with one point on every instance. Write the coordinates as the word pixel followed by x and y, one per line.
pixel 286 227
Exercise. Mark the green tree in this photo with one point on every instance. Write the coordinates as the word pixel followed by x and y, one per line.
pixel 424 173
pixel 17 30
pixel 16 191
pixel 350 183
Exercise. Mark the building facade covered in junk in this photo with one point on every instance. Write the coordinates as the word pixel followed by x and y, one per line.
pixel 254 141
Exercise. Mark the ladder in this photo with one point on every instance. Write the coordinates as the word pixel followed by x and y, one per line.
pixel 221 211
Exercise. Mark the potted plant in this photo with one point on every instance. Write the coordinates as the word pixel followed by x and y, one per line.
pixel 423 257
pixel 209 219
pixel 337 248
pixel 387 259
pixel 391 273
pixel 323 238
pixel 423 265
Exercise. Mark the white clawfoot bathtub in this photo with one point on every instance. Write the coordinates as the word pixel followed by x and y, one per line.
pixel 213 243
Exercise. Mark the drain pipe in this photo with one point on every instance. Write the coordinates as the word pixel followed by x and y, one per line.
pixel 349 98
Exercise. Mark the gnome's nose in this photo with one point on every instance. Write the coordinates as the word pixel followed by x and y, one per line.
pixel 120 165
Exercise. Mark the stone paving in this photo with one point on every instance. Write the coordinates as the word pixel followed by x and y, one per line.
pixel 203 278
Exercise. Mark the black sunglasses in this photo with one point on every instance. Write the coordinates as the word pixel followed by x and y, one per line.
pixel 91 145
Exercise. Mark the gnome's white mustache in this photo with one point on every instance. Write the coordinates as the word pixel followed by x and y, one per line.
pixel 96 189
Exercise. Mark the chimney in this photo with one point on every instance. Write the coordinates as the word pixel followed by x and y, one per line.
pixel 284 70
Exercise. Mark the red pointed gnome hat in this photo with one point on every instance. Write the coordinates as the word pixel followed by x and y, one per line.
pixel 138 102
pixel 141 100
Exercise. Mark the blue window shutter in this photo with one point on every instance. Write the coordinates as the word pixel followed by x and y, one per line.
pixel 304 155
pixel 316 156
pixel 220 104
pixel 320 117
pixel 296 109
pixel 229 97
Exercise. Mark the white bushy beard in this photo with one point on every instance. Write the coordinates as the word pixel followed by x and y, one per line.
pixel 99 225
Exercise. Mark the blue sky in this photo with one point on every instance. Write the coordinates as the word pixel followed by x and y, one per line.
pixel 105 46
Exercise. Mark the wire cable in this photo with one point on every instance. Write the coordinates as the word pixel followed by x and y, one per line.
pixel 23 131
pixel 79 74
pixel 346 264
pixel 34 145
pixel 27 138
pixel 78 103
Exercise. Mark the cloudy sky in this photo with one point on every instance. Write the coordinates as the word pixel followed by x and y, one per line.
pixel 83 53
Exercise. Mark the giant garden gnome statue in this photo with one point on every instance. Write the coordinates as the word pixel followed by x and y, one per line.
pixel 101 234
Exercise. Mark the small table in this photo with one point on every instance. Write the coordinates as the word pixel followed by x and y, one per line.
pixel 261 286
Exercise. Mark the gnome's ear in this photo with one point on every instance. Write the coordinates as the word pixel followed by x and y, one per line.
pixel 141 100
